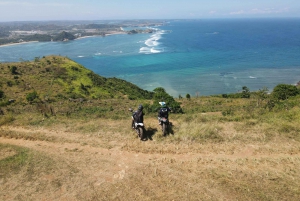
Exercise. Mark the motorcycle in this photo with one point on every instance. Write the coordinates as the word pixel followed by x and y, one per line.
pixel 138 127
pixel 164 122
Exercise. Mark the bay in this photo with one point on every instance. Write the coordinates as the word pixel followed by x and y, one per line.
pixel 199 57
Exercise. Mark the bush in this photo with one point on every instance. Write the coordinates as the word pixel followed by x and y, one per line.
pixel 9 83
pixel 224 96
pixel 1 94
pixel 160 94
pixel 13 70
pixel 284 91
pixel 4 103
pixel 31 96
pixel 245 92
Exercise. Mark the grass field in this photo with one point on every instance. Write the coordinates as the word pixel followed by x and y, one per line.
pixel 93 154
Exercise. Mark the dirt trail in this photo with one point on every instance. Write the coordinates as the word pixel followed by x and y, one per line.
pixel 94 166
pixel 83 168
pixel 78 143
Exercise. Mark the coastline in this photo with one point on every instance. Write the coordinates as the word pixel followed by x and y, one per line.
pixel 21 43
pixel 108 34
pixel 115 33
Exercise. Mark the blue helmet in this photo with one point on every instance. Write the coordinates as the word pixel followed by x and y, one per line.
pixel 140 107
pixel 163 104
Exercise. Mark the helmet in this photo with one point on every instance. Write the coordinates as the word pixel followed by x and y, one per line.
pixel 140 107
pixel 163 104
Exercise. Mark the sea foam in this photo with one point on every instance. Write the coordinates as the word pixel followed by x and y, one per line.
pixel 153 46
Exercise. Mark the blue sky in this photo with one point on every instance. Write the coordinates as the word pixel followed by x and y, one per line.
pixel 23 10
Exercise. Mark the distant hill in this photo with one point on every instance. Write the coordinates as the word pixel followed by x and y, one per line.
pixel 56 77
pixel 64 36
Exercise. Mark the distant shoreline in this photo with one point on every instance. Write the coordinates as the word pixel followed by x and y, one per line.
pixel 108 34
pixel 21 43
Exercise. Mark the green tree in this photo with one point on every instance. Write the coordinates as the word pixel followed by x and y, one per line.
pixel 188 96
pixel 245 92
pixel 284 91
pixel 63 36
pixel 160 95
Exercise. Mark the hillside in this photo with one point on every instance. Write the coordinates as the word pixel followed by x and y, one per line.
pixel 72 140
pixel 59 77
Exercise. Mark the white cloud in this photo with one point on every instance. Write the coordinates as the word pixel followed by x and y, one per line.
pixel 31 4
pixel 268 10
pixel 240 12
pixel 260 11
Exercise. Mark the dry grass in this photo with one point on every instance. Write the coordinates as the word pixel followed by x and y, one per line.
pixel 100 159
pixel 206 156
pixel 219 149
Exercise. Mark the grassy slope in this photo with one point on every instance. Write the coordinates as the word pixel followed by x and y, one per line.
pixel 219 149
pixel 58 77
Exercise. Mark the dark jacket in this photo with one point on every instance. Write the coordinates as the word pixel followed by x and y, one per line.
pixel 138 116
pixel 164 112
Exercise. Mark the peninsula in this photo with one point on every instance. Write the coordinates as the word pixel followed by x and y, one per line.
pixel 20 32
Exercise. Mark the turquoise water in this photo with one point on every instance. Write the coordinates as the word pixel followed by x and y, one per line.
pixel 202 57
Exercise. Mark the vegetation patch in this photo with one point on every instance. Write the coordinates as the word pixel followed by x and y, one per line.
pixel 15 158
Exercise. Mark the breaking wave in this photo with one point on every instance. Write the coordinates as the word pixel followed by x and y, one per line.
pixel 153 45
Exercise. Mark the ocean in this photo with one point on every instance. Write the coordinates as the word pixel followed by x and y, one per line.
pixel 196 57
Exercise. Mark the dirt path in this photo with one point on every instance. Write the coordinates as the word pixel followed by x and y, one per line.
pixel 82 168
pixel 75 142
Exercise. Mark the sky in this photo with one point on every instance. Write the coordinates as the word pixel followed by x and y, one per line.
pixel 41 10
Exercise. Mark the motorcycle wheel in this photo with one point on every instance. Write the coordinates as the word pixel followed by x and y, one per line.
pixel 137 132
pixel 141 133
pixel 164 129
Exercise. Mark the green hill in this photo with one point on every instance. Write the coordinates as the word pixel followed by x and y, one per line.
pixel 55 77
pixel 64 36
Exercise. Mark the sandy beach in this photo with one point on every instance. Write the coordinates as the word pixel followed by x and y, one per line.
pixel 116 32
pixel 107 34
pixel 21 43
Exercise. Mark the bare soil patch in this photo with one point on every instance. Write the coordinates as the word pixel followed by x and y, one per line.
pixel 5 153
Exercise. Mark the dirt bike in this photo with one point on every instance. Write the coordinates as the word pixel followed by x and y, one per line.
pixel 138 127
pixel 140 130
pixel 164 122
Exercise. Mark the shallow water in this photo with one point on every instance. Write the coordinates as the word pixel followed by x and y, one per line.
pixel 201 57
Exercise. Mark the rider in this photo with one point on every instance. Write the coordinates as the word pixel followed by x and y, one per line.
pixel 163 111
pixel 138 116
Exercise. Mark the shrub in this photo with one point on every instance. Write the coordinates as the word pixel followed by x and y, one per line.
pixel 284 91
pixel 228 112
pixel 245 92
pixel 31 96
pixel 188 96
pixel 13 70
pixel 9 83
pixel 160 94
pixel 4 103
pixel 1 94
pixel 224 95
